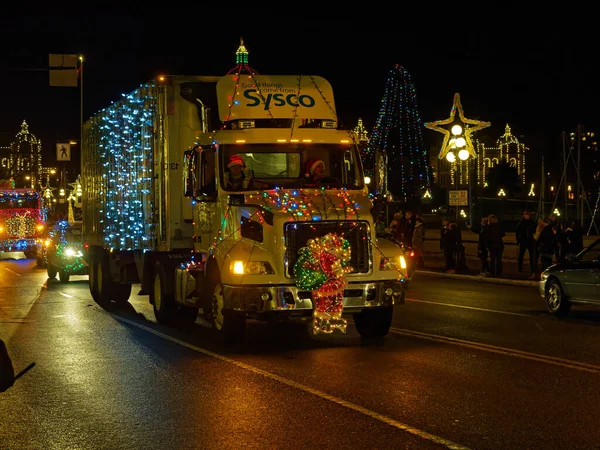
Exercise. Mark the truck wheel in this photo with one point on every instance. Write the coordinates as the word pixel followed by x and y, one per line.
pixel 374 323
pixel 63 276
pixel 556 301
pixel 188 313
pixel 52 271
pixel 228 326
pixel 163 304
pixel 93 278
pixel 121 292
pixel 40 259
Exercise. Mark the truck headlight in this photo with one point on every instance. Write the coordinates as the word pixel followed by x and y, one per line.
pixel 393 263
pixel 70 252
pixel 250 268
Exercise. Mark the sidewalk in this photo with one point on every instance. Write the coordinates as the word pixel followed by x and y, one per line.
pixel 434 265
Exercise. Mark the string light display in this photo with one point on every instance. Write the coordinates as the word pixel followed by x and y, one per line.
pixel 119 176
pixel 314 204
pixel 397 133
pixel 508 149
pixel 241 61
pixel 468 125
pixel 321 268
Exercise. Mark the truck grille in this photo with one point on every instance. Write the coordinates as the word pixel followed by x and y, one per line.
pixel 20 227
pixel 357 233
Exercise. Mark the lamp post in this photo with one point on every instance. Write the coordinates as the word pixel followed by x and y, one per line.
pixel 458 143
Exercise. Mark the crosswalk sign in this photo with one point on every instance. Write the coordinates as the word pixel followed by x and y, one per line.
pixel 63 152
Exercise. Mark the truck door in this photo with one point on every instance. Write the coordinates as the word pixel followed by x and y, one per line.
pixel 201 185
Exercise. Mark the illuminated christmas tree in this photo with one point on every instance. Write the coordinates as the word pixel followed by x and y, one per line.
pixel 397 139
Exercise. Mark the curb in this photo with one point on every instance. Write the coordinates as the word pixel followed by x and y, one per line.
pixel 508 281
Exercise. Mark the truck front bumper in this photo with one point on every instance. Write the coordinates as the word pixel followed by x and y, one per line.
pixel 357 296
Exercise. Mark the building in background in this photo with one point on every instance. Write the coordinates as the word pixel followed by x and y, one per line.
pixel 23 162
pixel 585 153
pixel 508 149
pixel 4 162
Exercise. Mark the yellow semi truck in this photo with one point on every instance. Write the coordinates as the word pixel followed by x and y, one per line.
pixel 263 216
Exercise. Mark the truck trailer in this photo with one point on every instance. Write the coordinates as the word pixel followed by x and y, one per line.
pixel 201 189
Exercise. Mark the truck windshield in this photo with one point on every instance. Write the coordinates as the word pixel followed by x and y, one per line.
pixel 12 203
pixel 289 166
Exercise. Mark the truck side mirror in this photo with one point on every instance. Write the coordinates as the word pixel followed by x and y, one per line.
pixel 207 171
pixel 190 181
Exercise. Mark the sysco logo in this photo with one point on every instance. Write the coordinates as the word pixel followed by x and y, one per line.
pixel 279 99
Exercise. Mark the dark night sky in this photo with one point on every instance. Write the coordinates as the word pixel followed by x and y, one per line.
pixel 540 79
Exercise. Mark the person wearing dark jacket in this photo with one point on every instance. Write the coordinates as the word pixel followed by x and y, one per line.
pixel 547 243
pixel 405 228
pixel 574 238
pixel 524 234
pixel 482 250
pixel 452 243
pixel 493 235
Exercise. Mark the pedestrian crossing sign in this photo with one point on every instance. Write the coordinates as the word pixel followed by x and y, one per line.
pixel 63 151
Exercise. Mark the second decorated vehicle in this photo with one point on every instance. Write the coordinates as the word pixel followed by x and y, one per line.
pixel 65 251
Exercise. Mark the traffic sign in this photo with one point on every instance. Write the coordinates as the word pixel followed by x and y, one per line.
pixel 458 198
pixel 63 151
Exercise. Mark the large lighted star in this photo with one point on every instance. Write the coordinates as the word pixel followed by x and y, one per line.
pixel 469 126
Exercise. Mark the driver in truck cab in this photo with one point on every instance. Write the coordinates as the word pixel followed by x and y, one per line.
pixel 235 178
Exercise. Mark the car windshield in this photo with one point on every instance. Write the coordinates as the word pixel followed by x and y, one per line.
pixel 289 165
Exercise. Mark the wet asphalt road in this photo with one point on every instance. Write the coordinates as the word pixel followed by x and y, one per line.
pixel 466 365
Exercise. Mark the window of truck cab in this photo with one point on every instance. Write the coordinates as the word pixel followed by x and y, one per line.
pixel 284 165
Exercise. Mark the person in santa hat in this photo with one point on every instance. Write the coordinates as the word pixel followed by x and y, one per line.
pixel 314 170
pixel 235 178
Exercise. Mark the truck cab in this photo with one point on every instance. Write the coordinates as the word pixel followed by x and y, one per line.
pixel 249 235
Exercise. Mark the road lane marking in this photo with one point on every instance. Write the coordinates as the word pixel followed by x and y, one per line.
pixel 12 271
pixel 570 364
pixel 367 412
pixel 508 313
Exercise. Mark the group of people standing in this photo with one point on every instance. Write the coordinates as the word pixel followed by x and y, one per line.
pixel 490 245
pixel 409 229
pixel 547 241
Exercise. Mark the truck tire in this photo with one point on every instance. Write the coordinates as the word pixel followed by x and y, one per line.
pixel 227 326
pixel 63 276
pixel 93 278
pixel 121 292
pixel 106 289
pixel 163 303
pixel 52 271
pixel 374 323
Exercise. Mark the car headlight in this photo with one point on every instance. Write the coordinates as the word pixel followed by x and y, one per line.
pixel 394 263
pixel 250 268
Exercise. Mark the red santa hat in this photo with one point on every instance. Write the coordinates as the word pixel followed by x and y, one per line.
pixel 235 160
pixel 311 165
